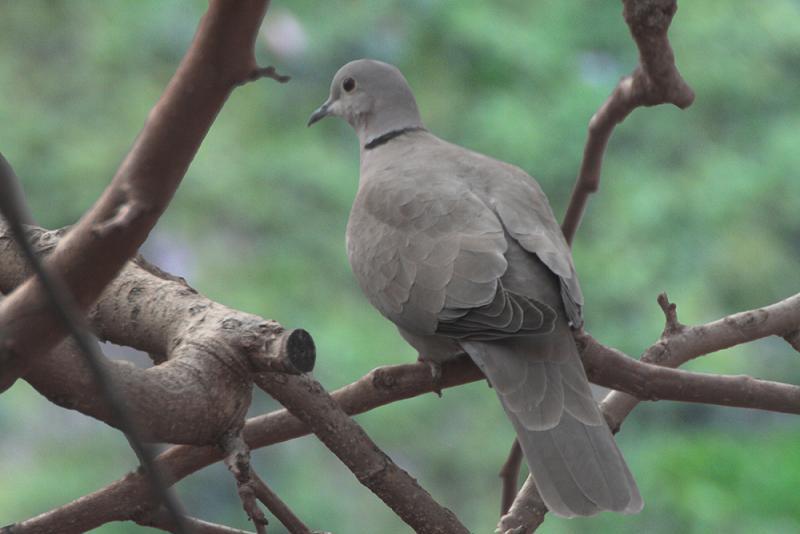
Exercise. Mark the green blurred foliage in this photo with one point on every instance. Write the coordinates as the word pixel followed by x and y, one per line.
pixel 702 203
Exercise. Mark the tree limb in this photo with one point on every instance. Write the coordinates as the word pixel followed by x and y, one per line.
pixel 203 388
pixel 161 520
pixel 611 368
pixel 654 81
pixel 677 345
pixel 509 475
pixel 90 256
pixel 389 384
pixel 307 400
pixel 278 508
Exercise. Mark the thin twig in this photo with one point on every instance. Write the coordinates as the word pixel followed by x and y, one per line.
pixel 278 508
pixel 509 474
pixel 161 519
pixel 237 459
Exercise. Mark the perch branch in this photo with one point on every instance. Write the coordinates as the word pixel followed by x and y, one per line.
pixel 677 345
pixel 611 368
pixel 385 385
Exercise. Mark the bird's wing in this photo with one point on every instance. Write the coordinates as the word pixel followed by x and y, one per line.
pixel 523 208
pixel 431 259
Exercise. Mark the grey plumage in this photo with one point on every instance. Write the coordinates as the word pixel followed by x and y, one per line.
pixel 462 252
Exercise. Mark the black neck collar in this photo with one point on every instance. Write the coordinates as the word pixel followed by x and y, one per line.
pixel 388 136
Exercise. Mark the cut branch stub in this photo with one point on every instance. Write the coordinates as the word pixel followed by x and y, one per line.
pixel 300 350
pixel 292 351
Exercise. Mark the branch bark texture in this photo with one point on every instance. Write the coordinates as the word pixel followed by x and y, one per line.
pixel 107 236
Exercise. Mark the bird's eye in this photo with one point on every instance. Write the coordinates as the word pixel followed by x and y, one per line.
pixel 348 84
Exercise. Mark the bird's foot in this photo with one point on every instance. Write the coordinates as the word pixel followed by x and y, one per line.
pixel 436 375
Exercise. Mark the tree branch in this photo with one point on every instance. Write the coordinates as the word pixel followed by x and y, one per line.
pixel 161 520
pixel 278 508
pixel 676 347
pixel 65 309
pixel 220 56
pixel 611 368
pixel 654 81
pixel 678 344
pixel 203 388
pixel 305 398
pixel 389 384
pixel 509 475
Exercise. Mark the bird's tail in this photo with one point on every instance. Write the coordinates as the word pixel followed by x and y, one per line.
pixel 570 450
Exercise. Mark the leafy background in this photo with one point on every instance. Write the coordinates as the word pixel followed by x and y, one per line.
pixel 701 203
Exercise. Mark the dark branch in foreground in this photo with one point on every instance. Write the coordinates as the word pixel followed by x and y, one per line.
pixel 107 236
pixel 66 311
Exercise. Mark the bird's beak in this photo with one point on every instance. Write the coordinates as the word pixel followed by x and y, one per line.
pixel 320 113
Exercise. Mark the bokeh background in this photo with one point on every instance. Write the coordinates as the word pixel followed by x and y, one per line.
pixel 703 203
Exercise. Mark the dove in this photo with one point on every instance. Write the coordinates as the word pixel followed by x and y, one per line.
pixel 463 254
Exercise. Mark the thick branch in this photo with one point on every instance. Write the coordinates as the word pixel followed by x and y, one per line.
pixel 121 499
pixel 94 251
pixel 202 390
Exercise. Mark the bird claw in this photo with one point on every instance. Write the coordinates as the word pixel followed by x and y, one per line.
pixel 436 375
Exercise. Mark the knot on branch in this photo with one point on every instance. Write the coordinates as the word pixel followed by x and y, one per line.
pixel 382 379
pixel 647 17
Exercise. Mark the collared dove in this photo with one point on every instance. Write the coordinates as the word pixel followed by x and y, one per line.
pixel 462 252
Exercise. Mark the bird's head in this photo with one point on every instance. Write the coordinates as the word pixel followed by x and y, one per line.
pixel 374 97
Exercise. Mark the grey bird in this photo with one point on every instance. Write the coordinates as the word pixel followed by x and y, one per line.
pixel 463 254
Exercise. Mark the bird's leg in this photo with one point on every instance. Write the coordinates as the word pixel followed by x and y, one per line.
pixel 436 373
